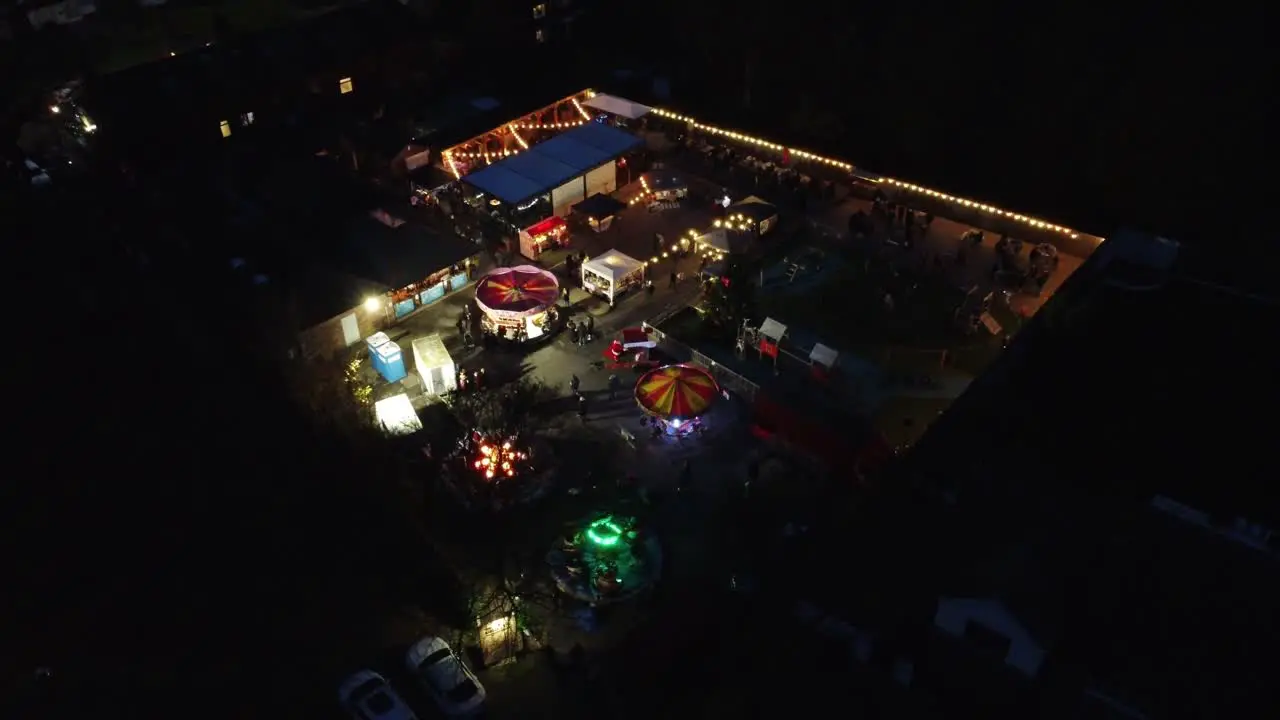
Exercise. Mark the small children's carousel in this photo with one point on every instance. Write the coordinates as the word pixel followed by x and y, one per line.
pixel 607 559
pixel 675 397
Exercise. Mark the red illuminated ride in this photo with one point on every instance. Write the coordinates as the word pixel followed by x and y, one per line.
pixel 676 396
pixel 500 461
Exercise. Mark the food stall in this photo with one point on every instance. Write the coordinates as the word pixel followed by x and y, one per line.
pixel 753 214
pixel 612 274
pixel 518 303
pixel 664 185
pixel 545 235
pixel 719 241
pixel 599 211
pixel 434 365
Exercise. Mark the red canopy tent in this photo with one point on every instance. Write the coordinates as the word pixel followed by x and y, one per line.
pixel 543 235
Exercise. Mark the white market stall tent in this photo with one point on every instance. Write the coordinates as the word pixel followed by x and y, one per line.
pixel 396 415
pixel 611 274
pixel 618 106
pixel 824 356
pixel 723 241
pixel 435 365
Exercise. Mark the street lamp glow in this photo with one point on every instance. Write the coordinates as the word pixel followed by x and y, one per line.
pixel 372 304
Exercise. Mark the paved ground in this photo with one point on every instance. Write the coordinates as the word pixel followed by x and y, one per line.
pixel 555 360
pixel 944 238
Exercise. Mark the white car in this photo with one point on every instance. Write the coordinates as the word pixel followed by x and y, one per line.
pixel 454 687
pixel 368 696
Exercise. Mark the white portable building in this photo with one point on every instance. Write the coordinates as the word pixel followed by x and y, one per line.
pixel 435 365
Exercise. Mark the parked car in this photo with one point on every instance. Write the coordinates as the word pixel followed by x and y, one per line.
pixel 445 677
pixel 368 696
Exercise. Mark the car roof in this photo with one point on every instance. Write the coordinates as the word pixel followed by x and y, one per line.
pixel 399 710
pixel 425 646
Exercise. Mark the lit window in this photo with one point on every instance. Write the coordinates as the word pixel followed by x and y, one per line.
pixel 540 36
pixel 345 86
pixel 246 119
pixel 225 127
pixel 539 11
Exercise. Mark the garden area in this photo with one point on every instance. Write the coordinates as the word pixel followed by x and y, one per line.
pixel 901 319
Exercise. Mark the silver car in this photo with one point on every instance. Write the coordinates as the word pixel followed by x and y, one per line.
pixel 368 696
pixel 445 677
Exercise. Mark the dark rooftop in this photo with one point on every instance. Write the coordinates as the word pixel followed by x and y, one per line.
pixel 1109 398
pixel 326 237
pixel 1121 395
pixel 396 257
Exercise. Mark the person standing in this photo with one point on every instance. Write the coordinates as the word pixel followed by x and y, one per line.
pixel 614 385
pixel 574 384
pixel 686 476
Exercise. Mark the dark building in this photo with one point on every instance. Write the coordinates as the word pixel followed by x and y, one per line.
pixel 316 80
pixel 1089 531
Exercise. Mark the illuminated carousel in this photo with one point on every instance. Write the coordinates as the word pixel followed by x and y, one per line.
pixel 495 471
pixel 518 303
pixel 675 397
pixel 609 559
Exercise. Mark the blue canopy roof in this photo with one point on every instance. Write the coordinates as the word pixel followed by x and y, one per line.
pixel 548 165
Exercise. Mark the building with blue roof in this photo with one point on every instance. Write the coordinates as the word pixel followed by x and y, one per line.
pixel 549 178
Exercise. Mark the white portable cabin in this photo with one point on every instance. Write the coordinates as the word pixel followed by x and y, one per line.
pixel 435 365
pixel 611 273
pixel 396 415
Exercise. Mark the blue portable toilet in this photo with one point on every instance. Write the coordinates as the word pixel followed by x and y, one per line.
pixel 390 361
pixel 374 342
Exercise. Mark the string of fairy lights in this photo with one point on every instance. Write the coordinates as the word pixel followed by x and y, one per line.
pixel 451 156
pixel 645 192
pixel 847 167
pixel 692 238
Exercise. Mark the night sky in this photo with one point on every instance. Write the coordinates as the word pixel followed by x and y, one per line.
pixel 1125 116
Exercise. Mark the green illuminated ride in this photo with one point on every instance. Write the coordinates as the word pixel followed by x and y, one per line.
pixel 605 532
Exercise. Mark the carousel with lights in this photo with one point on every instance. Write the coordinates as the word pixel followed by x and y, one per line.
pixel 519 303
pixel 498 461
pixel 495 470
pixel 608 559
pixel 675 398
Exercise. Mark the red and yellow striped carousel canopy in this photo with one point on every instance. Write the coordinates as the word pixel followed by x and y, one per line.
pixel 676 391
pixel 523 289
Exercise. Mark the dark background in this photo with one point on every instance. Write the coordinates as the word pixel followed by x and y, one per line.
pixel 177 545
